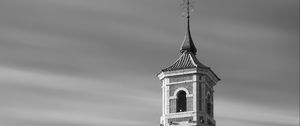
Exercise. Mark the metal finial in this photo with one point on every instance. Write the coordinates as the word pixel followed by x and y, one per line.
pixel 187 6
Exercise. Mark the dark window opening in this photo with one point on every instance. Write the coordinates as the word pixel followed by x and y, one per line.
pixel 209 108
pixel 201 120
pixel 208 105
pixel 181 101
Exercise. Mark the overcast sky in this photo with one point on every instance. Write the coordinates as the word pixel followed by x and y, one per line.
pixel 93 62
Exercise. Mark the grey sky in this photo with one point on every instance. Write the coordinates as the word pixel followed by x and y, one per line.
pixel 93 62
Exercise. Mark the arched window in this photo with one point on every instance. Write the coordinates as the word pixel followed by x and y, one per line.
pixel 181 101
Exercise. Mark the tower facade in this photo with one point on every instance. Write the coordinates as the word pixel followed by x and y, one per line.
pixel 187 89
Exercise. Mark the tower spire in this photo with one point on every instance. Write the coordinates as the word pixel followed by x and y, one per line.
pixel 188 44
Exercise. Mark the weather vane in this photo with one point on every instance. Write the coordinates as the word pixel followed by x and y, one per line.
pixel 187 6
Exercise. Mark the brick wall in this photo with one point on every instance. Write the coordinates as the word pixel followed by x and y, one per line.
pixel 180 78
pixel 189 103
pixel 172 108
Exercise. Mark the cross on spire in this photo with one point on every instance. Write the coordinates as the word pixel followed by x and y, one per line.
pixel 188 44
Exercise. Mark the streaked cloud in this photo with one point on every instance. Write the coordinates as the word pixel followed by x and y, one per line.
pixel 87 63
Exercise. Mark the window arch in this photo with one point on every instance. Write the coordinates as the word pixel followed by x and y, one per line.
pixel 181 89
pixel 181 101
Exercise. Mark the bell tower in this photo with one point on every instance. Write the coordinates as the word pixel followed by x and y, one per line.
pixel 187 87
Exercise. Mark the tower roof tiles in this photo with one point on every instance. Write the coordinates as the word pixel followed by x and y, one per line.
pixel 185 61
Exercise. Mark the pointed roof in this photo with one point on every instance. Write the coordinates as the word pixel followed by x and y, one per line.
pixel 185 61
pixel 188 44
pixel 188 50
pixel 188 59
